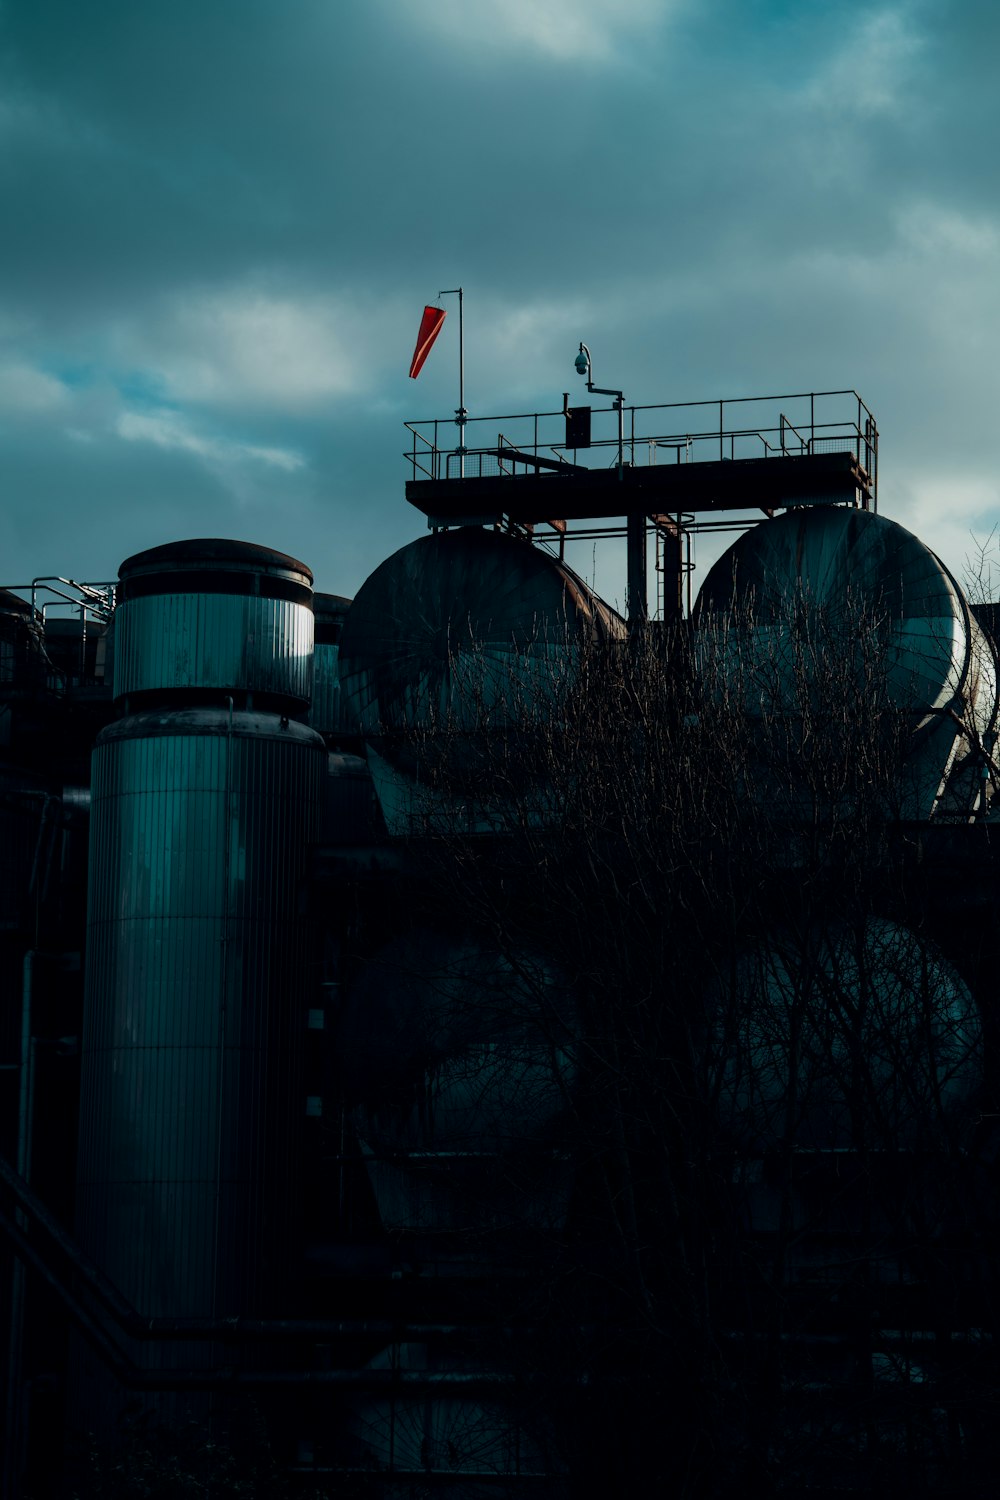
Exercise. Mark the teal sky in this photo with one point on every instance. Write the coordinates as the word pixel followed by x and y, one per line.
pixel 221 222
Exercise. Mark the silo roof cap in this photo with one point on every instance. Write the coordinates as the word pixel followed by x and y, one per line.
pixel 213 553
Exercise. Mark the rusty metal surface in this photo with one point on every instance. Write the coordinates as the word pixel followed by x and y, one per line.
pixel 461 625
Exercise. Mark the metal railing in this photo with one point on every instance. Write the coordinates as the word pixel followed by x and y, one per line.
pixel 805 423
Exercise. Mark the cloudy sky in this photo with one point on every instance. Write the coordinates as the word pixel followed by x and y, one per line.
pixel 221 220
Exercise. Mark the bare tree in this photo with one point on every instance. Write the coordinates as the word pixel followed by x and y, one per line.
pixel 769 1107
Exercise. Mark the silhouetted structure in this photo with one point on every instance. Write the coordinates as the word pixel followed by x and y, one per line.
pixel 521 1050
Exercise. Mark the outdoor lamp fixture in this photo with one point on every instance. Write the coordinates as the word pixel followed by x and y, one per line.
pixel 585 367
pixel 635 534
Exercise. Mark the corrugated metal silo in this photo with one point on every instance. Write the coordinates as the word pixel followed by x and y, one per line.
pixel 191 1093
pixel 198 952
pixel 214 616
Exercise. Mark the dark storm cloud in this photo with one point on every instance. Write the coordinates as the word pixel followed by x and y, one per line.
pixel 223 220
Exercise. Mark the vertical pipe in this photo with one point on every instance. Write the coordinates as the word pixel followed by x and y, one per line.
pixel 15 1423
pixel 461 354
pixel 225 944
pixel 637 604
pixel 460 415
pixel 461 382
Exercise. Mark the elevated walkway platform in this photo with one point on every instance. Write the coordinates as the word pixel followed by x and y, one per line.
pixel 748 454
pixel 576 493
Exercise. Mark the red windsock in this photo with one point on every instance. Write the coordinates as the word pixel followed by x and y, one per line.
pixel 430 327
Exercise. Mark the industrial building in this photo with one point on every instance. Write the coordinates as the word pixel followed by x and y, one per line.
pixel 329 1096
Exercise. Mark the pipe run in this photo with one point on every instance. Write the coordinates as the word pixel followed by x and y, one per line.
pixel 127 1373
pixel 234 1329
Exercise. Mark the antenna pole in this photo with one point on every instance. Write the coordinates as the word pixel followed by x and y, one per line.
pixel 461 416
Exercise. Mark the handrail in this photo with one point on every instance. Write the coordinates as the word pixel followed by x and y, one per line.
pixel 821 421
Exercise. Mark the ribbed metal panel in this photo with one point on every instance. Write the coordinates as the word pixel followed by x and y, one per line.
pixel 191 1098
pixel 327 711
pixel 228 642
pixel 330 712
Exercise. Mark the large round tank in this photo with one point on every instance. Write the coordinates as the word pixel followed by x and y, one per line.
pixel 329 712
pixel 847 1037
pixel 828 610
pixel 461 1065
pixel 460 635
pixel 214 616
pixel 196 999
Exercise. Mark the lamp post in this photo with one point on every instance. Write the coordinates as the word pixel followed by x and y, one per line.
pixel 461 415
pixel 635 521
pixel 585 367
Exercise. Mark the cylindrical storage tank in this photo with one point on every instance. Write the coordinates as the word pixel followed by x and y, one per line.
pixel 462 636
pixel 827 614
pixel 196 1001
pixel 461 1066
pixel 860 1037
pixel 329 712
pixel 24 667
pixel 77 648
pixel 214 617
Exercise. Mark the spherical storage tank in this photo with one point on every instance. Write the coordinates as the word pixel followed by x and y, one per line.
pixel 833 613
pixel 459 635
pixel 214 617
pixel 197 953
